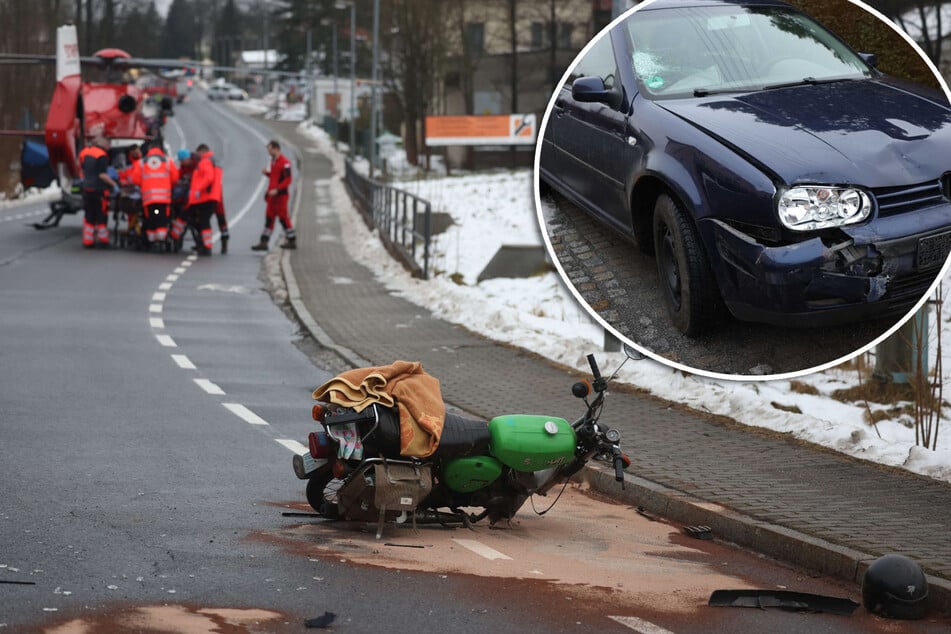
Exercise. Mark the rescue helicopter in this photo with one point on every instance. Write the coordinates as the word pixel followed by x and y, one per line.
pixel 108 102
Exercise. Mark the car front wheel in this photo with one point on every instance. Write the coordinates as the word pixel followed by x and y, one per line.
pixel 687 284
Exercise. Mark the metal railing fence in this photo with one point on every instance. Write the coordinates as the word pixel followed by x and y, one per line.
pixel 404 220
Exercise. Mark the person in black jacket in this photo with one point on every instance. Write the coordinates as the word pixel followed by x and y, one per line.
pixel 94 162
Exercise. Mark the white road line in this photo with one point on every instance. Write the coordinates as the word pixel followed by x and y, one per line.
pixel 166 341
pixel 481 549
pixel 171 277
pixel 244 413
pixel 185 265
pixel 293 445
pixel 180 270
pixel 155 308
pixel 156 322
pixel 183 362
pixel 158 297
pixel 209 387
pixel 639 625
pixel 165 286
pixel 191 258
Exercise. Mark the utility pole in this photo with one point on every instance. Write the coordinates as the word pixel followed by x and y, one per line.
pixel 374 93
pixel 310 78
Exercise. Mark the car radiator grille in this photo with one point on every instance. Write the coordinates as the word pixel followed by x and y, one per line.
pixel 906 198
pixel 910 287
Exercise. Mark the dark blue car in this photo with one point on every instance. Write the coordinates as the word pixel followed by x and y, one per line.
pixel 766 165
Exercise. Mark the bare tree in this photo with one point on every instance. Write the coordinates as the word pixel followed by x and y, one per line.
pixel 418 46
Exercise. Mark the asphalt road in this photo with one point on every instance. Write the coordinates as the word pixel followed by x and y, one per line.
pixel 620 285
pixel 148 408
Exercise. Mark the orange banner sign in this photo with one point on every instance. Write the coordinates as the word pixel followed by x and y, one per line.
pixel 507 129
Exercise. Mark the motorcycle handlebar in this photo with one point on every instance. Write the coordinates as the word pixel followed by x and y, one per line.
pixel 594 367
pixel 618 467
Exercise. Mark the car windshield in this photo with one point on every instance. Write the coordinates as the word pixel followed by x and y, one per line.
pixel 697 51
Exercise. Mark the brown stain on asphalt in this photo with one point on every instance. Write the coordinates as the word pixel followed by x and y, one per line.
pixel 584 548
pixel 182 619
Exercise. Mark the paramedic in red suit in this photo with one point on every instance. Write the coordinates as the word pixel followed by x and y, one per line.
pixel 94 160
pixel 201 195
pixel 155 177
pixel 278 193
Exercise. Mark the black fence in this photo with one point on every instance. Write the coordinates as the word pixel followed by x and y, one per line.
pixel 404 221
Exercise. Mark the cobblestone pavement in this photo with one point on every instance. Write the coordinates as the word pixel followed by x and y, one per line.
pixel 783 486
pixel 620 284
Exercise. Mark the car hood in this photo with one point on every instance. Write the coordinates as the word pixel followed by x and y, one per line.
pixel 863 132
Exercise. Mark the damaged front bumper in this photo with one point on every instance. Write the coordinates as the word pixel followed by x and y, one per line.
pixel 874 270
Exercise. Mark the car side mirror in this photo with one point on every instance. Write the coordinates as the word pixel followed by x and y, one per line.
pixel 593 90
pixel 870 58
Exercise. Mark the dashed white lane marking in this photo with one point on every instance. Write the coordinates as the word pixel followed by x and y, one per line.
pixel 209 387
pixel 155 308
pixel 183 362
pixel 158 297
pixel 179 270
pixel 293 445
pixel 166 341
pixel 171 277
pixel 165 286
pixel 156 322
pixel 481 549
pixel 639 625
pixel 244 413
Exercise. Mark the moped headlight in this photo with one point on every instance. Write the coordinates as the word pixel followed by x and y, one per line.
pixel 807 208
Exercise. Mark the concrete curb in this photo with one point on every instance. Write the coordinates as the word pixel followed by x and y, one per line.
pixel 775 541
pixel 769 539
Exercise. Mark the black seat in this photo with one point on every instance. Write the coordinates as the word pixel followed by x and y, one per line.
pixel 463 437
pixel 380 429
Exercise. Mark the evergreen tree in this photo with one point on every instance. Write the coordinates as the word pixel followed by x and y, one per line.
pixel 179 35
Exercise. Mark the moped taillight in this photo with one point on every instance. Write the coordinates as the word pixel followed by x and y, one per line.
pixel 319 413
pixel 319 446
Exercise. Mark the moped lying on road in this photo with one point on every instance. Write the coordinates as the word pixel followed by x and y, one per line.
pixel 491 468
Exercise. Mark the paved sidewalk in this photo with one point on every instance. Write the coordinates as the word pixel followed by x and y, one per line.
pixel 772 494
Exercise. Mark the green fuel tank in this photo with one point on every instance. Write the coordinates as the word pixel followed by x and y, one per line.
pixel 529 442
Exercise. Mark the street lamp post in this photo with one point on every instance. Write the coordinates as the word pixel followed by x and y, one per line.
pixel 353 67
pixel 374 106
pixel 333 35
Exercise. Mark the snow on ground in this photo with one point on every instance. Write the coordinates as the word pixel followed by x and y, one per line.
pixel 32 195
pixel 541 315
pixel 265 106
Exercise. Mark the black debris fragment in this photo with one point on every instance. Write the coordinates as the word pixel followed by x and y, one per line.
pixel 643 512
pixel 700 532
pixel 298 514
pixel 18 583
pixel 404 545
pixel 784 600
pixel 321 621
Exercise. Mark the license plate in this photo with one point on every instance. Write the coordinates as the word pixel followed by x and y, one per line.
pixel 933 250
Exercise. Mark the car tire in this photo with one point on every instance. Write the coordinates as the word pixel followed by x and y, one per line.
pixel 687 284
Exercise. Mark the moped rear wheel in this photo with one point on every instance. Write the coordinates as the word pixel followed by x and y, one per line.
pixel 322 491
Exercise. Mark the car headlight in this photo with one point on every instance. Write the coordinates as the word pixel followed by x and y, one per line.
pixel 807 208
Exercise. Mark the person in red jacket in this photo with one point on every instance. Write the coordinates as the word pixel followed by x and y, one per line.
pixel 96 183
pixel 155 177
pixel 204 195
pixel 278 193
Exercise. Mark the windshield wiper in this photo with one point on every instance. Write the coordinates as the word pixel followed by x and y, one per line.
pixel 807 81
pixel 705 92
